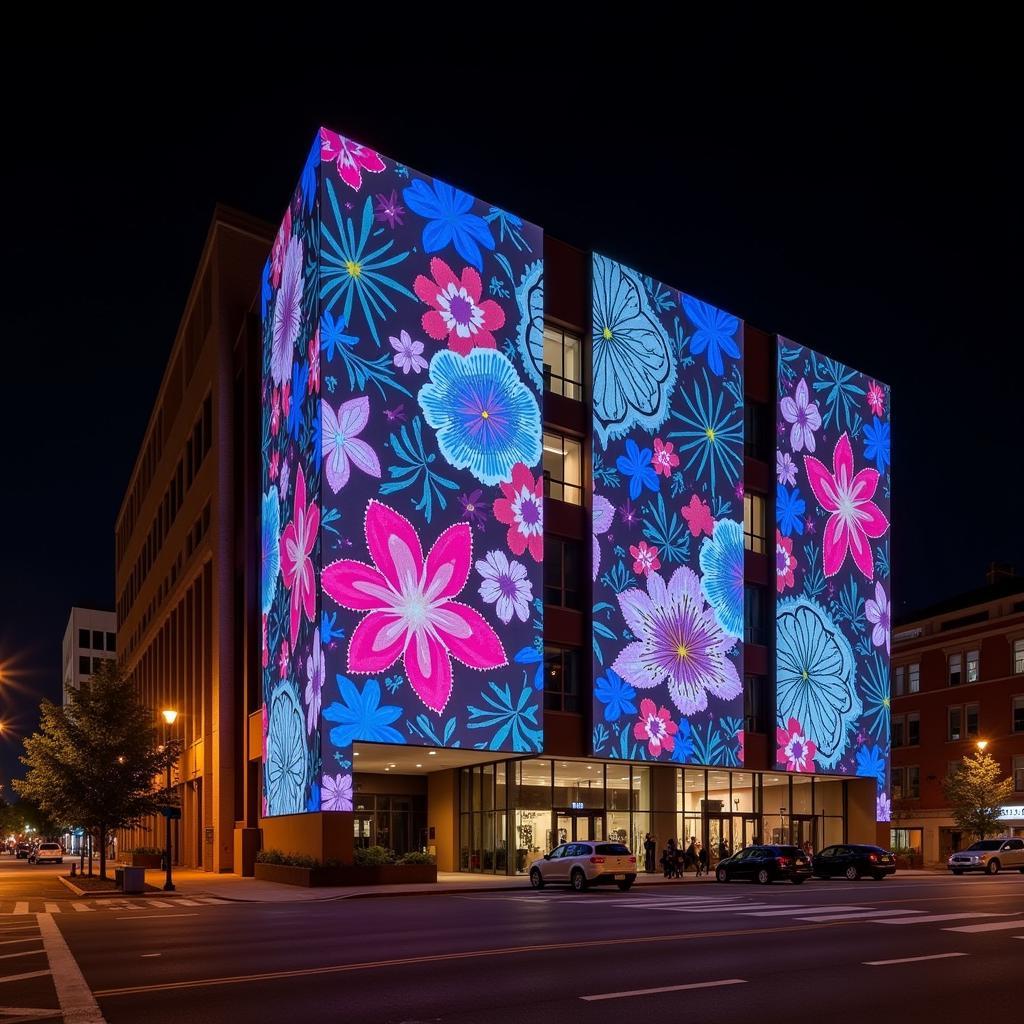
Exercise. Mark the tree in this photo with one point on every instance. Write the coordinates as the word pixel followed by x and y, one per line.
pixel 975 792
pixel 98 761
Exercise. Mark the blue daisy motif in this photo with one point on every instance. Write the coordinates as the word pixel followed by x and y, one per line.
pixel 530 330
pixel 876 443
pixel 615 694
pixel 789 511
pixel 486 418
pixel 361 715
pixel 286 752
pixel 447 212
pixel 270 558
pixel 871 763
pixel 531 656
pixel 816 678
pixel 682 752
pixel 634 368
pixel 637 468
pixel 714 335
pixel 721 566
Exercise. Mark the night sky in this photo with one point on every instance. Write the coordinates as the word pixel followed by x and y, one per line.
pixel 860 206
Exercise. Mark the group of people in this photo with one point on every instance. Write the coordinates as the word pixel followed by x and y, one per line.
pixel 675 861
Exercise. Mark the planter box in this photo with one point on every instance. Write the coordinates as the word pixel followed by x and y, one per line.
pixel 385 874
pixel 146 860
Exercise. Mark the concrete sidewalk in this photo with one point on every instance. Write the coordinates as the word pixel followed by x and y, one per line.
pixel 252 890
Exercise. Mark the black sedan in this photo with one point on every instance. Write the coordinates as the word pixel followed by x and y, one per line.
pixel 765 864
pixel 852 861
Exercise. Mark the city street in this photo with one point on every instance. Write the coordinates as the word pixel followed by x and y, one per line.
pixel 840 950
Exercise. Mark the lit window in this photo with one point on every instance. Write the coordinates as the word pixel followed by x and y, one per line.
pixel 563 362
pixel 563 468
pixel 955 669
pixel 754 537
pixel 973 666
pixel 1018 657
pixel 913 678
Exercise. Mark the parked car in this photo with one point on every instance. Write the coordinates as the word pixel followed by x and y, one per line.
pixel 22 851
pixel 765 864
pixel 47 853
pixel 582 865
pixel 990 856
pixel 852 861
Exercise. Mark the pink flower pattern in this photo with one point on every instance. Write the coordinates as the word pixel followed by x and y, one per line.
pixel 664 459
pixel 656 728
pixel 785 562
pixel 457 315
pixel 297 541
pixel 521 507
pixel 698 517
pixel 352 158
pixel 795 751
pixel 645 559
pixel 876 398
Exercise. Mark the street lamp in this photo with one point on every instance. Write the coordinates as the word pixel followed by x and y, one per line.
pixel 169 715
pixel 982 744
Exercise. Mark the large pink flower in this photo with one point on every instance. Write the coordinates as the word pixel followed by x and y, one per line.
pixel 698 517
pixel 664 459
pixel 804 415
pixel 655 726
pixel 785 562
pixel 795 750
pixel 522 509
pixel 409 599
pixel 876 398
pixel 352 158
pixel 457 313
pixel 297 542
pixel 854 516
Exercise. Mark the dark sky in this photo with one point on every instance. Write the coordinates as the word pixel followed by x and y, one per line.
pixel 861 204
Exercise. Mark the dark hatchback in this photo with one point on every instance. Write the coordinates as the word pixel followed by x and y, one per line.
pixel 852 862
pixel 765 864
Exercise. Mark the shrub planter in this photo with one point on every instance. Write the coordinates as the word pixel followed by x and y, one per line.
pixel 146 860
pixel 384 874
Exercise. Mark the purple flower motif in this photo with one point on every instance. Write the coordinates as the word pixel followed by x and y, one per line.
pixel 804 416
pixel 785 468
pixel 336 793
pixel 315 672
pixel 878 614
pixel 474 509
pixel 603 514
pixel 505 584
pixel 679 640
pixel 409 353
pixel 388 209
pixel 341 445
pixel 282 483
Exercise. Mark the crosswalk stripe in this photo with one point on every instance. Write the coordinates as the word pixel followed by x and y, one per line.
pixel 797 911
pixel 721 909
pixel 992 926
pixel 52 908
pixel 862 916
pixel 160 903
pixel 187 903
pixel 20 908
pixel 932 918
pixel 81 906
pixel 213 899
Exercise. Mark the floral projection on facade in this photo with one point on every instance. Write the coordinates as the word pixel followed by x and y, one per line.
pixel 667 520
pixel 833 565
pixel 403 601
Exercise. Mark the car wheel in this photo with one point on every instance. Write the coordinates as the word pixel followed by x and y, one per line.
pixel 763 878
pixel 992 868
pixel 578 880
pixel 624 885
pixel 797 881
pixel 722 875
pixel 852 873
pixel 536 879
pixel 957 873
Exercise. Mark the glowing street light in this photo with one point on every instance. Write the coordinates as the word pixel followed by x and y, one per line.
pixel 169 715
pixel 982 744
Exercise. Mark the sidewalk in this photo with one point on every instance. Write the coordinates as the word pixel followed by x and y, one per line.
pixel 252 890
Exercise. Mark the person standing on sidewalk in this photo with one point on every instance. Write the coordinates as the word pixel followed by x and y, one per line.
pixel 650 848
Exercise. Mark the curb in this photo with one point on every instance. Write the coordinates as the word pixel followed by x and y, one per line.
pixel 105 893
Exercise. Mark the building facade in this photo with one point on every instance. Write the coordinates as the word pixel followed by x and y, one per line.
pixel 958 679
pixel 89 638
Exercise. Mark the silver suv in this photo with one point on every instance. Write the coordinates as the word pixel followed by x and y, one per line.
pixel 990 856
pixel 584 864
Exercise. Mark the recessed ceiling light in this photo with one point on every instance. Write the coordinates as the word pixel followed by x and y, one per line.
pixel 432 753
pixel 392 765
pixel 387 769
pixel 419 766
pixel 355 753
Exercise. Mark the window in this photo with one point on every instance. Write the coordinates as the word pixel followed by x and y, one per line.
pixel 562 572
pixel 913 729
pixel 83 638
pixel 913 782
pixel 1018 657
pixel 1018 774
pixel 972 719
pixel 901 676
pixel 754 614
pixel 97 640
pixel 954 718
pixel 898 783
pixel 1018 714
pixel 973 666
pixel 111 642
pixel 561 678
pixel 96 663
pixel 754 703
pixel 563 468
pixel 754 536
pixel 898 731
pixel 563 363
pixel 913 678
pixel 83 664
pixel 758 431
pixel 954 665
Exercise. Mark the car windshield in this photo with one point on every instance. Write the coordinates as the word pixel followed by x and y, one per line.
pixel 987 844
pixel 613 850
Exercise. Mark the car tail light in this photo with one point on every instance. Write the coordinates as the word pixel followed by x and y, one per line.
pixel 632 860
pixel 872 857
pixel 597 860
pixel 782 861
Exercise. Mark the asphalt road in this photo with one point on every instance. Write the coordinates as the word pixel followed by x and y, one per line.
pixel 910 949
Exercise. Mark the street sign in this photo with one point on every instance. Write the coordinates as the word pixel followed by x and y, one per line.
pixel 174 813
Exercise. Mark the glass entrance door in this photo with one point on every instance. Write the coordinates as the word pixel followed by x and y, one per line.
pixel 746 829
pixel 579 826
pixel 719 837
pixel 804 832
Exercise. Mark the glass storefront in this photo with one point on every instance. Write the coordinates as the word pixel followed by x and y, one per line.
pixel 530 807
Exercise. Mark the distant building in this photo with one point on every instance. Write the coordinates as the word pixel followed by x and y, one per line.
pixel 90 637
pixel 958 679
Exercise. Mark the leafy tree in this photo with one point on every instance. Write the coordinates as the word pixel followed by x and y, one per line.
pixel 98 761
pixel 975 792
pixel 14 818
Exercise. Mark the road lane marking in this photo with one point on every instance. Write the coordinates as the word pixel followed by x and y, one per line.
pixel 992 926
pixel 27 952
pixel 864 915
pixel 23 977
pixel 149 917
pixel 664 988
pixel 74 995
pixel 13 942
pixel 51 908
pixel 911 959
pixel 82 907
pixel 794 912
pixel 187 903
pixel 20 908
pixel 146 956
pixel 29 1013
pixel 932 918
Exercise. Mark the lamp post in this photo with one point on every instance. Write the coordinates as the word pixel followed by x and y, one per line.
pixel 982 744
pixel 169 715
